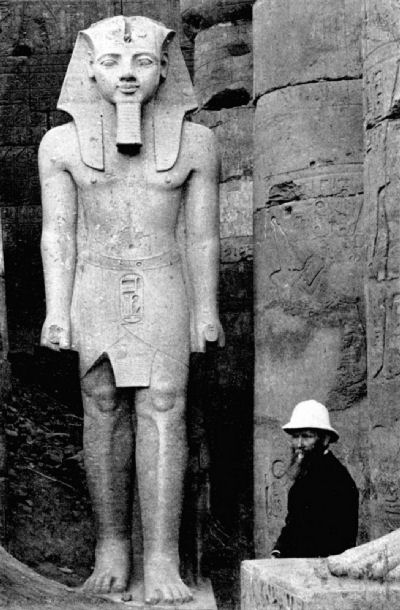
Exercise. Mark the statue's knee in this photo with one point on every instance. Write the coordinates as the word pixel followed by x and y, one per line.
pixel 102 396
pixel 163 400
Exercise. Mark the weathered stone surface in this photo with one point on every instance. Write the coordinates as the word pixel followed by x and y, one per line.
pixel 166 11
pixel 382 191
pixel 293 124
pixel 236 208
pixel 223 63
pixel 233 128
pixel 301 584
pixel 309 224
pixel 202 14
pixel 305 41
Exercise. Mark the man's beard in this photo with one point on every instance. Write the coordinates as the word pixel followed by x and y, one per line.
pixel 303 460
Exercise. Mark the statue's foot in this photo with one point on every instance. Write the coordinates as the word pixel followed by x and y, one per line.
pixel 162 583
pixel 112 567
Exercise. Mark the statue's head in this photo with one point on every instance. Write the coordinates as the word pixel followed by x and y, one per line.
pixel 127 62
pixel 128 65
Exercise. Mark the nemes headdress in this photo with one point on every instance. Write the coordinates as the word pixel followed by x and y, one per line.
pixel 81 99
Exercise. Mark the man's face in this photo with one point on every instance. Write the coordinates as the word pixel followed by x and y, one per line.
pixel 306 441
pixel 127 72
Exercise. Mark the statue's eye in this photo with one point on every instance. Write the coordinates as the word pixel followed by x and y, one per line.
pixel 108 63
pixel 145 61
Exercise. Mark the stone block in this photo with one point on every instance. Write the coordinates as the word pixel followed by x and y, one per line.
pixel 306 584
pixel 233 128
pixel 305 41
pixel 166 11
pixel 223 63
pixel 202 14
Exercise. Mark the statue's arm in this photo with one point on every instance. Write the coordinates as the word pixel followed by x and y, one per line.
pixel 202 245
pixel 58 244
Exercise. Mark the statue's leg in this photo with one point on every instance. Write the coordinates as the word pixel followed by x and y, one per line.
pixel 373 559
pixel 161 454
pixel 108 461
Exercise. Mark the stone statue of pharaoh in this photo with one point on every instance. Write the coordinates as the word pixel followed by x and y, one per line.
pixel 114 181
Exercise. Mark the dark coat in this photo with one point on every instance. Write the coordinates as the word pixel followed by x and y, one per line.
pixel 322 516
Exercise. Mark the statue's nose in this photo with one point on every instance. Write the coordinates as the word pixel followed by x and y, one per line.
pixel 128 76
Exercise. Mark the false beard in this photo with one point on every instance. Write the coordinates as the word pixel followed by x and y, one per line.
pixel 129 127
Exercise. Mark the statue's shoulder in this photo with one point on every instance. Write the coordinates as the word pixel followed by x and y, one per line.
pixel 59 142
pixel 200 141
pixel 197 134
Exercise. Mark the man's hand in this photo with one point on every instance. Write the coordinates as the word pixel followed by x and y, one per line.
pixel 207 331
pixel 56 334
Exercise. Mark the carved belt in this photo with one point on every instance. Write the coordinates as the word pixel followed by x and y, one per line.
pixel 107 262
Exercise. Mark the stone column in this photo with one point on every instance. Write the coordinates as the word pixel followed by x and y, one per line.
pixel 222 38
pixel 309 236
pixel 382 193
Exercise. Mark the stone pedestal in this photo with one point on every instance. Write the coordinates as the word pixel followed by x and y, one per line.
pixel 203 598
pixel 24 589
pixel 306 584
pixel 309 234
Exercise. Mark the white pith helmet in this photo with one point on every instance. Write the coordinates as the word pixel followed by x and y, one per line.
pixel 310 414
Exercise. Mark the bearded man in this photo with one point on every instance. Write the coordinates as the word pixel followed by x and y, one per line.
pixel 322 517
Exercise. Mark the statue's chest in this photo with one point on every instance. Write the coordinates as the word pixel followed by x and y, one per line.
pixel 129 175
pixel 133 194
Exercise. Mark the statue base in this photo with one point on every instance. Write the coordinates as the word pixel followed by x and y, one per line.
pixel 203 598
pixel 21 588
pixel 307 584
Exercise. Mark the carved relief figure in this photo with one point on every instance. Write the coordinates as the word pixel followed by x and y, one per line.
pixel 114 180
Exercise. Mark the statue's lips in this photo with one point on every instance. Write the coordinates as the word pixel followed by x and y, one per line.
pixel 131 89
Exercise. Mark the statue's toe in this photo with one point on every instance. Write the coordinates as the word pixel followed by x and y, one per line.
pixel 176 594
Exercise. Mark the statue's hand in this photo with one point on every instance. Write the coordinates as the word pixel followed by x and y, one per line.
pixel 56 334
pixel 208 331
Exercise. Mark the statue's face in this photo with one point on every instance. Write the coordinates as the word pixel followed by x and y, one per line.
pixel 127 72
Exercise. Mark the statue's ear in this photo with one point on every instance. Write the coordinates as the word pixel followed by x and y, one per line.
pixel 164 64
pixel 90 69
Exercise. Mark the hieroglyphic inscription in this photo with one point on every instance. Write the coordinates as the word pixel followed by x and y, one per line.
pixel 236 249
pixel 381 83
pixel 259 594
pixel 236 207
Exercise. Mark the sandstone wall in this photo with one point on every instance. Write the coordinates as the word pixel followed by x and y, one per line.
pixel 382 191
pixel 221 36
pixel 309 224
